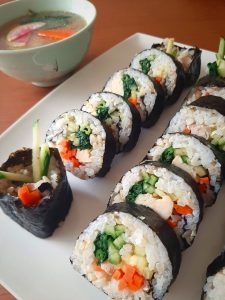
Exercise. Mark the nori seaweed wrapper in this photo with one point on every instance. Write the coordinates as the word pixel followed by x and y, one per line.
pixel 211 102
pixel 210 80
pixel 158 225
pixel 110 151
pixel 192 74
pixel 153 117
pixel 43 219
pixel 216 265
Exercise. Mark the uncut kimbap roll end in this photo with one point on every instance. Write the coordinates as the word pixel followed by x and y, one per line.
pixel 128 252
pixel 86 147
pixel 38 201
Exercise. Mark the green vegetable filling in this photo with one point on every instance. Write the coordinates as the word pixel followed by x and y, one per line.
pixel 217 68
pixel 146 63
pixel 129 86
pixel 83 136
pixel 108 244
pixel 168 155
pixel 102 111
pixel 145 186
pixel 101 247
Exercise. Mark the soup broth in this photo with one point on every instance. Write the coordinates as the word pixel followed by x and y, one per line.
pixel 38 29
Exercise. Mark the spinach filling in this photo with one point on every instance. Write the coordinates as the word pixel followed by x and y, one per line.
pixel 129 86
pixel 83 136
pixel 144 186
pixel 146 63
pixel 102 111
pixel 168 155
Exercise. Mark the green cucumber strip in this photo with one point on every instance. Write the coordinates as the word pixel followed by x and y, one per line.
pixel 115 258
pixel 119 242
pixel 221 51
pixel 44 159
pixel 153 179
pixel 15 176
pixel 36 152
pixel 185 159
pixel 221 67
pixel 169 48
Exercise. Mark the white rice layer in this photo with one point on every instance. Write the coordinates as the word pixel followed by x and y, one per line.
pixel 146 94
pixel 198 155
pixel 215 286
pixel 59 130
pixel 162 66
pixel 136 233
pixel 120 115
pixel 171 185
pixel 200 121
pixel 201 91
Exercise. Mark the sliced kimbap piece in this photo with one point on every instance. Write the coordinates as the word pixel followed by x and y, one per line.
pixel 169 191
pixel 214 288
pixel 121 117
pixel 164 68
pixel 200 121
pixel 138 89
pixel 86 147
pixel 129 252
pixel 190 58
pixel 195 156
pixel 37 203
pixel 207 86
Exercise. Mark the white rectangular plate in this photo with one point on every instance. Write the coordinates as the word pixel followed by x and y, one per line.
pixel 37 269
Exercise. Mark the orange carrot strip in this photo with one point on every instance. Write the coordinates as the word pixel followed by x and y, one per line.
pixel 202 188
pixel 118 274
pixel 171 223
pixel 133 100
pixel 138 280
pixel 203 180
pixel 27 197
pixel 55 34
pixel 122 284
pixel 158 79
pixel 186 130
pixel 129 273
pixel 182 210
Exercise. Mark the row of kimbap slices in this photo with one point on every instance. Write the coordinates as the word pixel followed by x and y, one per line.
pixel 110 121
pixel 180 174
pixel 34 190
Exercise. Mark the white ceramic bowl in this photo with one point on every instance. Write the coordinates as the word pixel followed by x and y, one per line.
pixel 50 64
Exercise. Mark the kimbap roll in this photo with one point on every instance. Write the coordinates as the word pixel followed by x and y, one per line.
pixel 200 121
pixel 169 191
pixel 214 288
pixel 138 89
pixel 121 117
pixel 164 69
pixel 86 147
pixel 129 252
pixel 38 204
pixel 196 157
pixel 190 58
pixel 207 86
